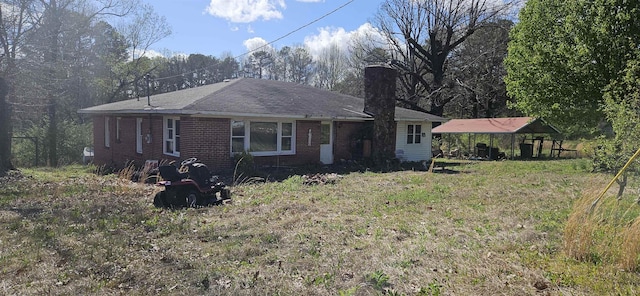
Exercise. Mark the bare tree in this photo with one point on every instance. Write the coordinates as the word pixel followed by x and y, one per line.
pixel 261 62
pixel 44 42
pixel 5 130
pixel 301 65
pixel 423 35
pixel 16 21
pixel 141 29
pixel 364 49
pixel 477 66
pixel 330 67
pixel 282 64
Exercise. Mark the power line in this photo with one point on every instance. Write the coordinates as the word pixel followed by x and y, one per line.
pixel 298 29
pixel 272 42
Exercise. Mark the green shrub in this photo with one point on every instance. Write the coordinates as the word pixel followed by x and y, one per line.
pixel 244 165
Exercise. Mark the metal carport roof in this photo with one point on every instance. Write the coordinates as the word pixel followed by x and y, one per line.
pixel 508 125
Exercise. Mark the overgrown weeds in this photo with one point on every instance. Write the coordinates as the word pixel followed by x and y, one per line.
pixel 608 233
pixel 490 228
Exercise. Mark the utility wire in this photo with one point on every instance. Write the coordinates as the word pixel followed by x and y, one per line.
pixel 272 42
pixel 298 29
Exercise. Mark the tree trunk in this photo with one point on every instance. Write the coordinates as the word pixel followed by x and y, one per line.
pixel 5 129
pixel 52 58
pixel 436 109
pixel 52 134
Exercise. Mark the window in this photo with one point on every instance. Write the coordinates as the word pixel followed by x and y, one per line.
pixel 286 138
pixel 118 129
pixel 414 133
pixel 237 136
pixel 107 137
pixel 139 135
pixel 172 136
pixel 325 133
pixel 262 138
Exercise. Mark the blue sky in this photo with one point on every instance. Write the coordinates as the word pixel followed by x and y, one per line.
pixel 214 27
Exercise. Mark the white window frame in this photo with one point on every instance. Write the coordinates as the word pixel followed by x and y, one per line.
pixel 243 136
pixel 118 129
pixel 139 136
pixel 412 134
pixel 247 137
pixel 166 132
pixel 107 135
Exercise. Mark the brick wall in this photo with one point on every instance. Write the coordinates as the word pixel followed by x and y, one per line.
pixel 208 139
pixel 305 153
pixel 123 151
pixel 345 142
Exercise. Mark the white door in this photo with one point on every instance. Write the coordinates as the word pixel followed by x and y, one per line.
pixel 326 143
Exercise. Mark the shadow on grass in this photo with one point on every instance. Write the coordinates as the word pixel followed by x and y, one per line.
pixel 30 212
pixel 278 174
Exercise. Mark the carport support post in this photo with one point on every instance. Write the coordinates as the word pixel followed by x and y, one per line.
pixel 490 146
pixel 513 142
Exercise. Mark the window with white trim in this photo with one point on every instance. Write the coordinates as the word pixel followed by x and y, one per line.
pixel 139 136
pixel 117 129
pixel 171 136
pixel 237 136
pixel 107 136
pixel 262 138
pixel 414 133
pixel 286 136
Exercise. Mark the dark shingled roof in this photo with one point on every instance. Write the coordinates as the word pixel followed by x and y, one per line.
pixel 255 98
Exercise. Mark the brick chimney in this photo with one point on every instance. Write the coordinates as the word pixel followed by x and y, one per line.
pixel 380 102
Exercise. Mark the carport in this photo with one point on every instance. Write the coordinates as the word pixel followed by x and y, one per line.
pixel 495 126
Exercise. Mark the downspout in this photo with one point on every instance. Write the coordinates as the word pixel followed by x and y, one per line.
pixel 150 136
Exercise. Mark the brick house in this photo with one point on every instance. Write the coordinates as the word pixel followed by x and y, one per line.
pixel 280 123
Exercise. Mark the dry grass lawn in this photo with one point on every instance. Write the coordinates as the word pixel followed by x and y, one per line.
pixel 488 228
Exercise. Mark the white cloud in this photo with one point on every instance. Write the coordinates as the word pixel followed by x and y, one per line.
pixel 329 35
pixel 150 53
pixel 255 43
pixel 246 11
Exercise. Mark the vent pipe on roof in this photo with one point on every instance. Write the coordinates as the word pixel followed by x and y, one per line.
pixel 380 102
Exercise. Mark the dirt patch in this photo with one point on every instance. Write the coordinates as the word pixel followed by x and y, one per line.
pixel 12 176
pixel 320 179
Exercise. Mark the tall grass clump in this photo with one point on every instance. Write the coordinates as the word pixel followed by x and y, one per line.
pixel 608 233
pixel 245 167
pixel 630 257
pixel 128 172
pixel 579 230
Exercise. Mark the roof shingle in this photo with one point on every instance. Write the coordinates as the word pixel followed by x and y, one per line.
pixel 255 97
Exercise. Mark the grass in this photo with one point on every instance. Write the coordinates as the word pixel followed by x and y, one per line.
pixel 607 234
pixel 487 228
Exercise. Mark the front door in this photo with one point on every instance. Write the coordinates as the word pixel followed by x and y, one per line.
pixel 326 143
